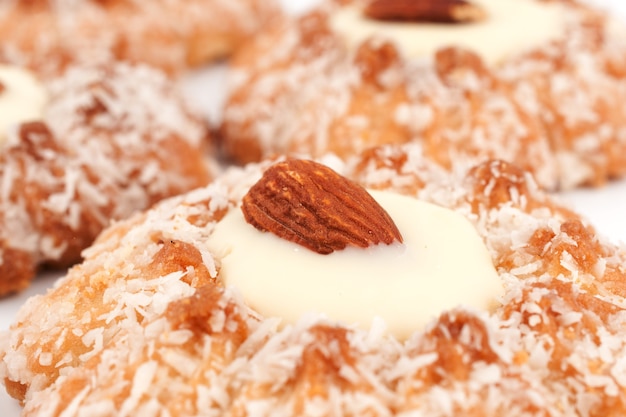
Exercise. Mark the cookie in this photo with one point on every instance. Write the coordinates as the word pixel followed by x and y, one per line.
pixel 83 149
pixel 157 321
pixel 174 36
pixel 538 84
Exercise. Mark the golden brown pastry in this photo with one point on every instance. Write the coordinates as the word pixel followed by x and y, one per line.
pixel 536 83
pixel 46 35
pixel 148 324
pixel 107 141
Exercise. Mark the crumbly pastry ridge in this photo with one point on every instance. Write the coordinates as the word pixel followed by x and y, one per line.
pixel 554 109
pixel 114 139
pixel 144 327
pixel 46 35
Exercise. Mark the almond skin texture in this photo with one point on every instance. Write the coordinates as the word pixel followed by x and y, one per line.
pixel 310 204
pixel 438 11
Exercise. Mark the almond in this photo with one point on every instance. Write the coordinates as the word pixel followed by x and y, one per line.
pixel 2 87
pixel 439 11
pixel 310 204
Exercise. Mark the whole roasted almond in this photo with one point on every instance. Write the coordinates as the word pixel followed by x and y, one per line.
pixel 310 204
pixel 440 11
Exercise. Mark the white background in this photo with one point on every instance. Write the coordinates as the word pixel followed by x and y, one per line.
pixel 605 207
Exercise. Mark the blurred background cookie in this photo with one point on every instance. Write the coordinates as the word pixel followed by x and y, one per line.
pixel 536 83
pixel 81 150
pixel 46 35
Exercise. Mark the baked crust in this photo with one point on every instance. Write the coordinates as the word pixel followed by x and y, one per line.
pixel 554 109
pixel 46 35
pixel 144 326
pixel 114 139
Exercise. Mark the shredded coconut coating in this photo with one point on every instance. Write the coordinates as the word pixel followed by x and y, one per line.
pixel 555 110
pixel 145 327
pixel 114 139
pixel 172 35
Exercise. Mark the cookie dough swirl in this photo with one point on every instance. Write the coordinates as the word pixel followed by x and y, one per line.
pixel 110 140
pixel 147 326
pixel 334 80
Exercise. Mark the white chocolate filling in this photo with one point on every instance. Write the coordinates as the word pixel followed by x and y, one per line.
pixel 511 26
pixel 23 98
pixel 442 264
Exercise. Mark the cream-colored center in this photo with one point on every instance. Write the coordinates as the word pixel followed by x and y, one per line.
pixel 22 98
pixel 442 264
pixel 511 26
